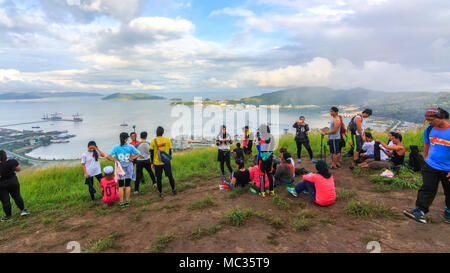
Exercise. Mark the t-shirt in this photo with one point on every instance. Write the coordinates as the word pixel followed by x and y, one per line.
pixel 242 177
pixel 248 138
pixel 439 153
pixel 123 153
pixel 134 143
pixel 325 190
pixel 92 167
pixel 239 153
pixel 164 145
pixel 144 149
pixel 9 171
pixel 110 192
pixel 224 145
pixel 369 147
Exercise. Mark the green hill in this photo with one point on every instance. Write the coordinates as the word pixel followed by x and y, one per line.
pixel 408 106
pixel 134 96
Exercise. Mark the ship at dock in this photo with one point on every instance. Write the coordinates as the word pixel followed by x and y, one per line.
pixel 58 117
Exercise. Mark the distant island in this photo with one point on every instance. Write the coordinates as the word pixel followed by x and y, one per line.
pixel 133 96
pixel 407 106
pixel 41 95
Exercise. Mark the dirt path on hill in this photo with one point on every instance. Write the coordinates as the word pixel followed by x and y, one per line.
pixel 137 228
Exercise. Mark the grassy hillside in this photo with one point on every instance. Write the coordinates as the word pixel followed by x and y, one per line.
pixel 61 186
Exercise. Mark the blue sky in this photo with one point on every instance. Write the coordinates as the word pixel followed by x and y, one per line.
pixel 174 45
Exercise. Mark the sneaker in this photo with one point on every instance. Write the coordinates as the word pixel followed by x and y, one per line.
pixel 306 192
pixel 313 161
pixel 122 204
pixel 24 213
pixel 161 195
pixel 416 214
pixel 136 192
pixel 5 219
pixel 446 216
pixel 292 191
pixel 271 193
pixel 299 161
pixel 262 194
pixel 253 190
pixel 126 203
pixel 175 192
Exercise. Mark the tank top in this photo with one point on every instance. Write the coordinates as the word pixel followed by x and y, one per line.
pixel 336 135
pixel 397 159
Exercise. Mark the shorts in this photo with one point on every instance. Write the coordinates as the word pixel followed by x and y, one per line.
pixel 167 168
pixel 335 146
pixel 357 143
pixel 125 183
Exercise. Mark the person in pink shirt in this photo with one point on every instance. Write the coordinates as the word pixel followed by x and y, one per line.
pixel 255 177
pixel 109 186
pixel 319 186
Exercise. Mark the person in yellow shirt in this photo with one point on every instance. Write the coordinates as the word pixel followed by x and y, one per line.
pixel 162 145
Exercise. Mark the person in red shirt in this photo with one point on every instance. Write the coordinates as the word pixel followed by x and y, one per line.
pixel 134 140
pixel 319 186
pixel 109 186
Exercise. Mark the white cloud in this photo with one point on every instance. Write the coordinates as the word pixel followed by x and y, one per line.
pixel 233 12
pixel 138 85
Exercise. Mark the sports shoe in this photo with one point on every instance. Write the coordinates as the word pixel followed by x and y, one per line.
pixel 24 213
pixel 262 194
pixel 161 195
pixel 253 190
pixel 313 161
pixel 175 192
pixel 271 193
pixel 299 161
pixel 126 203
pixel 416 214
pixel 446 216
pixel 136 192
pixel 5 219
pixel 122 204
pixel 292 191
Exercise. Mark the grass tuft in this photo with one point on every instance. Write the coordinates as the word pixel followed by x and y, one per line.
pixel 282 203
pixel 367 209
pixel 236 217
pixel 163 242
pixel 103 244
pixel 206 202
pixel 201 232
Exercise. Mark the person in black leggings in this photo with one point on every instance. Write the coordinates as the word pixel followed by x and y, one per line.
pixel 9 185
pixel 223 142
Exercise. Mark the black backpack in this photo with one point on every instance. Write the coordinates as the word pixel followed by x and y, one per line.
pixel 416 160
pixel 352 124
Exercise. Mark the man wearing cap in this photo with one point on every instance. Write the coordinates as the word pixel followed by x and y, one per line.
pixel 437 165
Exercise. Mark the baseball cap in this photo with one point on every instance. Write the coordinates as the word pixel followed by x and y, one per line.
pixel 108 170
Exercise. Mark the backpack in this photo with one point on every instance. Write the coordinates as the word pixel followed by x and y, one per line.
pixel 416 160
pixel 163 156
pixel 352 125
pixel 343 130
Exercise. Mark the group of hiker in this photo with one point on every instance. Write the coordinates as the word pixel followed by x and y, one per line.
pixel 268 171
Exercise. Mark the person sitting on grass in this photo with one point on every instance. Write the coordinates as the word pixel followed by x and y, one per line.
pixel 241 177
pixel 319 186
pixel 255 177
pixel 285 172
pixel 109 186
pixel 397 154
pixel 238 153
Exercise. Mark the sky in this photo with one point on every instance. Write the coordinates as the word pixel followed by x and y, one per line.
pixel 147 46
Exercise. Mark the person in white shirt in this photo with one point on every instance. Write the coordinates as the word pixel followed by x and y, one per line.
pixel 91 166
pixel 223 142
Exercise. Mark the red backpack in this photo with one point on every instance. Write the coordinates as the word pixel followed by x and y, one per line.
pixel 343 129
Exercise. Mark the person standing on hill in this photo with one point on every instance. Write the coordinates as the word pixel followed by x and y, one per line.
pixel 265 144
pixel 357 128
pixel 161 156
pixel 9 185
pixel 334 138
pixel 437 165
pixel 124 154
pixel 143 162
pixel 248 142
pixel 91 166
pixel 134 140
pixel 223 142
pixel 301 138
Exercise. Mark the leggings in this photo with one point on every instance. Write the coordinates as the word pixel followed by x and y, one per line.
pixel 7 188
pixel 140 166
pixel 299 149
pixel 222 166
pixel 263 179
pixel 167 168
